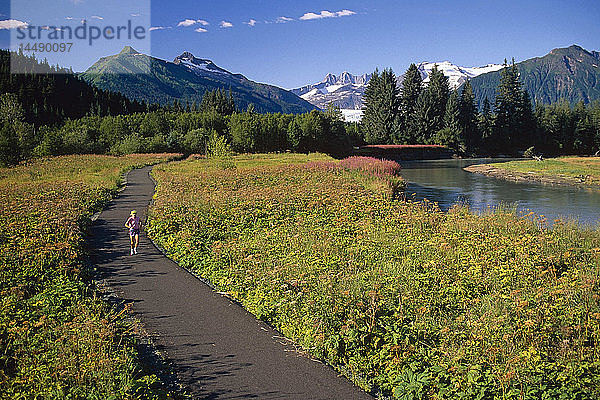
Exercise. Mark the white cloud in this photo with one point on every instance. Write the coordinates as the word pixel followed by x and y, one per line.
pixel 97 17
pixel 201 30
pixel 283 20
pixel 69 18
pixel 156 28
pixel 190 22
pixel 225 24
pixel 12 24
pixel 345 13
pixel 326 14
pixel 135 15
pixel 187 22
pixel 252 22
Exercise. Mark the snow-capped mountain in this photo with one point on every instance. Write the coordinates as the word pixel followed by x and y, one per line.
pixel 456 75
pixel 185 79
pixel 345 91
pixel 194 64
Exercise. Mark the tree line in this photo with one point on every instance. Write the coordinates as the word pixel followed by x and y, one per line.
pixel 49 95
pixel 432 113
pixel 51 111
pixel 171 130
pixel 94 121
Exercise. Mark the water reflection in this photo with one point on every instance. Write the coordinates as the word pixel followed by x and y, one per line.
pixel 446 183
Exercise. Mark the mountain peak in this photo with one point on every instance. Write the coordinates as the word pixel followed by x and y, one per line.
pixel 187 56
pixel 199 65
pixel 129 50
pixel 566 50
pixel 153 80
pixel 330 79
pixel 568 73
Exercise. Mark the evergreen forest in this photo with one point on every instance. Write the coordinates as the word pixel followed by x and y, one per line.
pixel 56 113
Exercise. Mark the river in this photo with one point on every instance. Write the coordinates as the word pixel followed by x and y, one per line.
pixel 446 183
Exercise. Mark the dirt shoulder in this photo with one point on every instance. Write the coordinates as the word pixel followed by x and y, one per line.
pixel 529 177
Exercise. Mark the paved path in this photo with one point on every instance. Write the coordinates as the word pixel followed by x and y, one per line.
pixel 218 350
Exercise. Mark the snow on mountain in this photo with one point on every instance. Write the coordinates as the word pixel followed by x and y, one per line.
pixel 346 90
pixel 198 65
pixel 456 75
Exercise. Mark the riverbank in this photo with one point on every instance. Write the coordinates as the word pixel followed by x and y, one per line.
pixel 572 171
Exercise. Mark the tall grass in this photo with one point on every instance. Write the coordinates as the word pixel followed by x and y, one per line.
pixel 404 299
pixel 57 341
pixel 579 169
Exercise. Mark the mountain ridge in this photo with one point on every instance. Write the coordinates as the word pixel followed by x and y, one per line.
pixel 142 77
pixel 346 91
pixel 571 73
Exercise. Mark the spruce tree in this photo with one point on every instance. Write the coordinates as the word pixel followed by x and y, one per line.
pixel 380 119
pixel 485 125
pixel 452 114
pixel 412 86
pixel 217 101
pixel 431 107
pixel 334 112
pixel 439 88
pixel 468 117
pixel 452 134
pixel 9 145
pixel 526 121
pixel 423 124
pixel 506 107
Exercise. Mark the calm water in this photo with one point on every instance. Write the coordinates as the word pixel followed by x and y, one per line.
pixel 445 182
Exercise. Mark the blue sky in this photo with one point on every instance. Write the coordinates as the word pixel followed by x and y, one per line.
pixel 292 43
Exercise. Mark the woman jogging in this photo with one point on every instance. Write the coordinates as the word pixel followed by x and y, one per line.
pixel 133 223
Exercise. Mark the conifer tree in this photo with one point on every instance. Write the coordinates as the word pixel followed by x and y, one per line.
pixel 451 135
pixel 431 107
pixel 334 112
pixel 412 86
pixel 218 101
pixel 439 89
pixel 380 119
pixel 468 117
pixel 423 124
pixel 485 125
pixel 526 121
pixel 506 107
pixel 9 145
pixel 452 114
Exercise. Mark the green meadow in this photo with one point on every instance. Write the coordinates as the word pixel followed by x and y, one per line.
pixel 400 297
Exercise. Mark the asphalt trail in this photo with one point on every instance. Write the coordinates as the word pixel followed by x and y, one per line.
pixel 217 349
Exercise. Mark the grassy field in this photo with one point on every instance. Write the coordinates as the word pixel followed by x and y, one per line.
pixel 584 170
pixel 57 341
pixel 404 299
